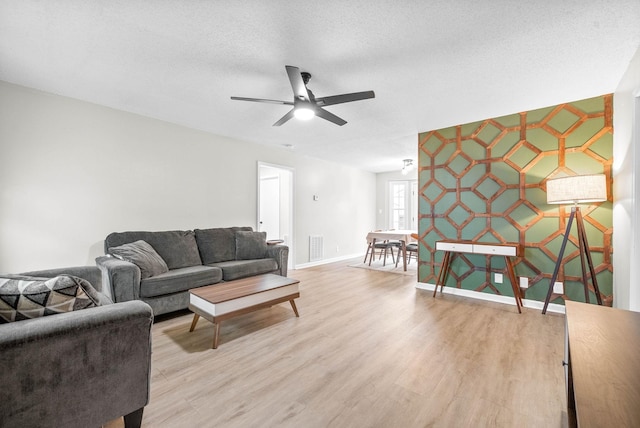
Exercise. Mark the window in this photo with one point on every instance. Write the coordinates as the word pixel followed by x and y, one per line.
pixel 403 204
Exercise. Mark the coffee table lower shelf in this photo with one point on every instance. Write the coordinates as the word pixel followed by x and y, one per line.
pixel 220 302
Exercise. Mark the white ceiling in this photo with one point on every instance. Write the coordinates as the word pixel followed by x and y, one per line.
pixel 432 64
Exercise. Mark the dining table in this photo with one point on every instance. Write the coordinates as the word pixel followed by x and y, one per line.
pixel 404 236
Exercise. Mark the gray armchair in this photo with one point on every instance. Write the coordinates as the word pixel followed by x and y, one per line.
pixel 77 369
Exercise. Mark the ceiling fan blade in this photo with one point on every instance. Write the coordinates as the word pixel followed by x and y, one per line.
pixel 262 100
pixel 297 84
pixel 330 116
pixel 284 118
pixel 344 98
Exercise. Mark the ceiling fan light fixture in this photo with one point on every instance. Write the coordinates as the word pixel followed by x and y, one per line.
pixel 407 167
pixel 303 113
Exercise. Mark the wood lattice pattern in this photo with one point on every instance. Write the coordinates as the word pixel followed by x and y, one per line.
pixel 486 181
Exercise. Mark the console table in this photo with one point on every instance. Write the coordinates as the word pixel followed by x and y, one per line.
pixel 602 365
pixel 505 250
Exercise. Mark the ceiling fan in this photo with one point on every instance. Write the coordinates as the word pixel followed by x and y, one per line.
pixel 305 104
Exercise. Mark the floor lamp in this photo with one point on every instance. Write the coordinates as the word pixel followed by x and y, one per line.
pixel 575 190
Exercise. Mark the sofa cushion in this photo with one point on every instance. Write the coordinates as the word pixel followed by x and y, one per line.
pixel 251 245
pixel 218 244
pixel 177 248
pixel 237 269
pixel 177 280
pixel 23 297
pixel 142 255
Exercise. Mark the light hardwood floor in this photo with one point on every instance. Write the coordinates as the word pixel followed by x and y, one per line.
pixel 369 350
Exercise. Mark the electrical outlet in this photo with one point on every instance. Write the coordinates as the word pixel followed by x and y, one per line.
pixel 497 277
pixel 524 282
pixel 337 248
pixel 558 288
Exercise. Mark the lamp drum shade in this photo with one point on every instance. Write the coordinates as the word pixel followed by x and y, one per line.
pixel 577 189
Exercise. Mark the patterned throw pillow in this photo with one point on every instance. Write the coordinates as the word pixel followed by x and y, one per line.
pixel 143 255
pixel 23 297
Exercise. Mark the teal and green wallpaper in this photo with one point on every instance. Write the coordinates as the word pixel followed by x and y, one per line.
pixel 486 181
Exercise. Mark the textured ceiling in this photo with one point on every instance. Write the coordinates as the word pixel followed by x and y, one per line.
pixel 431 64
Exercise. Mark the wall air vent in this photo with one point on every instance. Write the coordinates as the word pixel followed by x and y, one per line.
pixel 316 248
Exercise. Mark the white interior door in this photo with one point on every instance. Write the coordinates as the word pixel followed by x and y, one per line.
pixel 269 211
pixel 275 204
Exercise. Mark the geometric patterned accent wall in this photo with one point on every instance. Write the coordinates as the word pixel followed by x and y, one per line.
pixel 486 181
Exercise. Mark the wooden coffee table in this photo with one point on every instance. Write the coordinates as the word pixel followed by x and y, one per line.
pixel 219 302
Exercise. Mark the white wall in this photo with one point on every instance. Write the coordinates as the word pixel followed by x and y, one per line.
pixel 626 189
pixel 343 213
pixel 71 172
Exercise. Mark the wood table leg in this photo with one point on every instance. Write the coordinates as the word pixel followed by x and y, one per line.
pixel 443 271
pixel 514 286
pixel 293 305
pixel 404 254
pixel 216 334
pixel 442 266
pixel 196 317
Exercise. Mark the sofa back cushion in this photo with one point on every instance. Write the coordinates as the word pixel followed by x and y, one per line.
pixel 177 248
pixel 251 245
pixel 24 297
pixel 218 244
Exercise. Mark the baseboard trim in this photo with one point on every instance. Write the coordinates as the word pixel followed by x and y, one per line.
pixel 327 261
pixel 507 300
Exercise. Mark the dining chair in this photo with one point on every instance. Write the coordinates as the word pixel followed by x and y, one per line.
pixel 412 250
pixel 381 247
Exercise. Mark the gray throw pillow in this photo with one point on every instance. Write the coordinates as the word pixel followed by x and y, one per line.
pixel 23 297
pixel 251 245
pixel 142 255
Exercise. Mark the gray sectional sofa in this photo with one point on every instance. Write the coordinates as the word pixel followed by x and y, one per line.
pixel 184 259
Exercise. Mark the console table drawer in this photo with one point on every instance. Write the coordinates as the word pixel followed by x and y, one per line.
pixel 457 247
pixel 498 250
